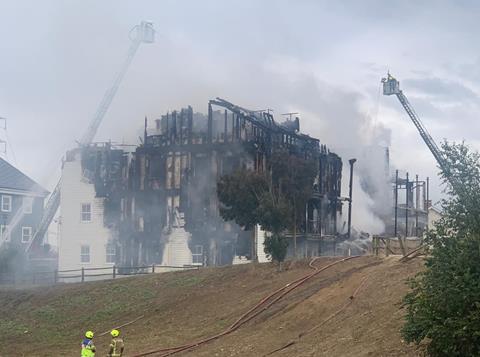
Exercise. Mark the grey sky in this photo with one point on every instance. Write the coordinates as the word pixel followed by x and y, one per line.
pixel 321 58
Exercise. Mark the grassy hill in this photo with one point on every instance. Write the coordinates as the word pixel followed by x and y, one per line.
pixel 181 307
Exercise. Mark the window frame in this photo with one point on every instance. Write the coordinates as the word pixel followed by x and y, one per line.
pixel 83 254
pixel 30 234
pixel 109 255
pixel 83 213
pixel 9 203
pixel 3 229
pixel 196 255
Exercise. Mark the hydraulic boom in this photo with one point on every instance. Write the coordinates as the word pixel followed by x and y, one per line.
pixel 143 33
pixel 392 87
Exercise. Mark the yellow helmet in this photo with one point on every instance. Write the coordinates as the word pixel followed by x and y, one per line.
pixel 115 333
pixel 89 334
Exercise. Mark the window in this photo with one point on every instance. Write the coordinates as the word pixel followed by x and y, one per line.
pixel 86 212
pixel 6 203
pixel 3 232
pixel 197 255
pixel 85 254
pixel 26 234
pixel 111 253
pixel 27 205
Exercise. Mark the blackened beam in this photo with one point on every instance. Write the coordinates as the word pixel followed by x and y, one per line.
pixel 268 123
pixel 225 134
pixel 197 148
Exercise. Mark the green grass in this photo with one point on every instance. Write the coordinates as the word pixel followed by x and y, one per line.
pixel 10 328
pixel 184 281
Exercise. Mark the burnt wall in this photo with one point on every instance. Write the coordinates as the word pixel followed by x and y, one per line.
pixel 177 167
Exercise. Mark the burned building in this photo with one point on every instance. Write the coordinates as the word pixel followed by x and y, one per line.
pixel 411 204
pixel 163 194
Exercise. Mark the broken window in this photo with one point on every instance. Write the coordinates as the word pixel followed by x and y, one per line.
pixel 26 234
pixel 86 212
pixel 85 254
pixel 6 203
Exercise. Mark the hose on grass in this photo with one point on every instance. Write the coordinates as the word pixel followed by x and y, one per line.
pixel 253 312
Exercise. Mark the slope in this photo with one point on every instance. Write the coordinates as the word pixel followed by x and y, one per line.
pixel 187 306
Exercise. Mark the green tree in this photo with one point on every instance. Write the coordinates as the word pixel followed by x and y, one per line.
pixel 294 176
pixel 240 194
pixel 276 247
pixel 443 307
pixel 275 200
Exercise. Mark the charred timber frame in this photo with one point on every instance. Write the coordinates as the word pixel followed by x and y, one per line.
pixel 179 169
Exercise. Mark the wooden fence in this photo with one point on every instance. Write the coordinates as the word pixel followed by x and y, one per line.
pixel 84 274
pixel 395 246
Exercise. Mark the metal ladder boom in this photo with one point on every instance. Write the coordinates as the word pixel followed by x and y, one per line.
pixel 392 87
pixel 422 130
pixel 144 34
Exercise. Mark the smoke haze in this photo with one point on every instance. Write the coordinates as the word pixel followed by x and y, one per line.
pixel 319 58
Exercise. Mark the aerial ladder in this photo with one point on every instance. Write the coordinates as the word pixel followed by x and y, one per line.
pixel 142 33
pixel 392 87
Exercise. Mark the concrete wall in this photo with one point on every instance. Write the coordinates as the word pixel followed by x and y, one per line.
pixel 74 233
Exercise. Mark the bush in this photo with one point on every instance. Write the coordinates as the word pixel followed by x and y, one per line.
pixel 443 307
pixel 275 246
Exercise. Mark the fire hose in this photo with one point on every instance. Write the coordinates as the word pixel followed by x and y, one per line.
pixel 253 312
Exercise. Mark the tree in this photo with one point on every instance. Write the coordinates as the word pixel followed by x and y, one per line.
pixel 275 216
pixel 276 247
pixel 443 307
pixel 275 200
pixel 294 176
pixel 240 194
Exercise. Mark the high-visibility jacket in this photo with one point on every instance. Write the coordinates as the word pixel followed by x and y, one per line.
pixel 116 347
pixel 88 348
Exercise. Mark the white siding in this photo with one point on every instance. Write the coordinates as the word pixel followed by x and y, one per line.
pixel 260 238
pixel 76 190
pixel 176 251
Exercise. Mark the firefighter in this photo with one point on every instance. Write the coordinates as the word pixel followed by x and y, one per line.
pixel 116 346
pixel 88 348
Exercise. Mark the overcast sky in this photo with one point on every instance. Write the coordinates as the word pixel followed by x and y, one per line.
pixel 323 59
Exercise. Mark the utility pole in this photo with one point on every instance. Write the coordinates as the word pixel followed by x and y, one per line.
pixel 406 206
pixel 396 204
pixel 417 203
pixel 351 162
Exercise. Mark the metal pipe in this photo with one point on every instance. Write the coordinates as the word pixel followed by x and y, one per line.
pixel 225 134
pixel 417 203
pixel 210 123
pixel 428 193
pixel 406 205
pixel 351 162
pixel 427 203
pixel 396 204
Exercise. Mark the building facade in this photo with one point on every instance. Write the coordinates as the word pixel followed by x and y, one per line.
pixel 21 206
pixel 158 204
pixel 84 240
